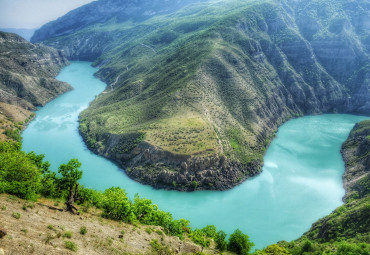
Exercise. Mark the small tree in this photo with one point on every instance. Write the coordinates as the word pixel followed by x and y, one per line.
pixel 70 175
pixel 221 243
pixel 239 243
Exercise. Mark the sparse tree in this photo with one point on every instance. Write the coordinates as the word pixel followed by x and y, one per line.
pixel 70 175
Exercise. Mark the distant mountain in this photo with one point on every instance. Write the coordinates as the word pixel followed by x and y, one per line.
pixel 25 33
pixel 198 88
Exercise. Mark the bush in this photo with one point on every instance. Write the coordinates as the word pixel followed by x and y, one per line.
pixel 67 234
pixel 221 243
pixel 117 206
pixel 71 245
pixel 19 175
pixel 210 231
pixel 83 230
pixel 239 243
pixel 16 215
pixel 199 237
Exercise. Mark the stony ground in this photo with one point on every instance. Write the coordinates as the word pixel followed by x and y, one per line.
pixel 10 115
pixel 36 228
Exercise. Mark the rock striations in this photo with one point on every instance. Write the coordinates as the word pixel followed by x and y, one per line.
pixel 27 78
pixel 356 155
pixel 197 89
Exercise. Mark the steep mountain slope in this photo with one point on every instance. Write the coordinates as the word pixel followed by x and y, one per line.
pixel 195 95
pixel 27 73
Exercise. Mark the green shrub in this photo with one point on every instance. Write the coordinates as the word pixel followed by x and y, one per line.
pixel 13 134
pixel 221 243
pixel 16 215
pixel 83 230
pixel 19 175
pixel 210 231
pixel 117 206
pixel 239 243
pixel 199 237
pixel 71 245
pixel 68 234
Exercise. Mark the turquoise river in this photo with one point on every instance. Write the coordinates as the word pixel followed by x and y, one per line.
pixel 301 178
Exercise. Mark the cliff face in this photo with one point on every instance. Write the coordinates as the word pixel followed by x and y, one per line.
pixel 27 72
pixel 27 77
pixel 195 94
pixel 356 155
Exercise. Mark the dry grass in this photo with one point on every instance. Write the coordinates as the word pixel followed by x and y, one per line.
pixel 41 230
pixel 185 133
pixel 12 117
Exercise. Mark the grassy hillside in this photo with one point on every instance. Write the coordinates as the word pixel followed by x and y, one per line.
pixel 40 230
pixel 196 94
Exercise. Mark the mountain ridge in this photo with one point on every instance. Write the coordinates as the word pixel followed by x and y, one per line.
pixel 27 80
pixel 213 81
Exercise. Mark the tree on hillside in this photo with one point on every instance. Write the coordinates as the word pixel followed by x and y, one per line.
pixel 239 243
pixel 70 175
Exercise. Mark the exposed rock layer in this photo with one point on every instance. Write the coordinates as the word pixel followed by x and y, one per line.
pixel 27 80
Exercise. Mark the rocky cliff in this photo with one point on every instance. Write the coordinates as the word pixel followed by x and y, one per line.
pixel 195 94
pixel 356 155
pixel 27 78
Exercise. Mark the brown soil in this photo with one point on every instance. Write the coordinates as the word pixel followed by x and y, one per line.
pixel 10 115
pixel 41 230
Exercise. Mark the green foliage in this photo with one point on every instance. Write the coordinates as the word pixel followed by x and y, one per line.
pixel 239 243
pixel 83 230
pixel 160 249
pixel 70 173
pixel 221 243
pixel 16 215
pixel 71 245
pixel 19 175
pixel 210 231
pixel 67 234
pixel 13 134
pixel 199 237
pixel 117 206
pixel 299 247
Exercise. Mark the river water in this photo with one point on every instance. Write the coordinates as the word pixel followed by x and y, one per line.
pixel 300 183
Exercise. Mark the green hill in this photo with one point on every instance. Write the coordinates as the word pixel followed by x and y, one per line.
pixel 196 92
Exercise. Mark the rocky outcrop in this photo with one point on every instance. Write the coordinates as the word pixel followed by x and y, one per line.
pixel 27 80
pixel 356 155
pixel 151 165
pixel 27 72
